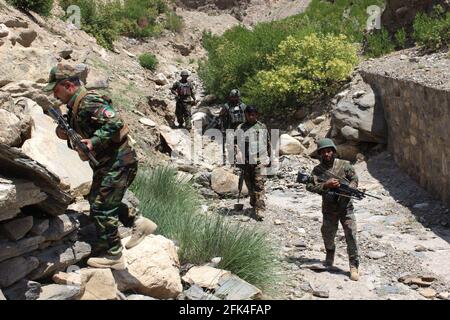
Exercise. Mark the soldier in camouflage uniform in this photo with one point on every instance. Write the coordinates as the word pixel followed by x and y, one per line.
pixel 335 208
pixel 253 157
pixel 185 93
pixel 232 113
pixel 105 134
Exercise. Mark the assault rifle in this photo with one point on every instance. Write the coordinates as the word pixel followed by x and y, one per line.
pixel 74 137
pixel 344 189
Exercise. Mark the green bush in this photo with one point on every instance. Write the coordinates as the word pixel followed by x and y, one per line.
pixel 42 7
pixel 148 61
pixel 174 206
pixel 401 38
pixel 379 43
pixel 432 32
pixel 302 69
pixel 236 57
pixel 132 18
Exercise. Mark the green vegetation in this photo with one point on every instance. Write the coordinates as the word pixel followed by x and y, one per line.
pixel 432 32
pixel 174 206
pixel 43 7
pixel 302 69
pixel 148 61
pixel 132 18
pixel 379 43
pixel 243 58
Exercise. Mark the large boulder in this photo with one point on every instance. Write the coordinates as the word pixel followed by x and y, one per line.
pixel 16 229
pixel 9 129
pixel 32 90
pixel 74 174
pixel 14 160
pixel 177 141
pixel 152 269
pixel 11 249
pixel 60 292
pixel 226 183
pixel 24 290
pixel 98 284
pixel 290 145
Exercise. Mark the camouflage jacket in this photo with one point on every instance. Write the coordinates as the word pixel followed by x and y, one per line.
pixel 97 120
pixel 184 90
pixel 254 144
pixel 347 174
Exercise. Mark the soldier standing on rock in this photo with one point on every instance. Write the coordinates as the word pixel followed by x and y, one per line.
pixel 252 156
pixel 185 95
pixel 103 131
pixel 335 208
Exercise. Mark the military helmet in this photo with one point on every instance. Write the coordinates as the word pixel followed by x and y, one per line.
pixel 250 109
pixel 235 93
pixel 326 143
pixel 184 73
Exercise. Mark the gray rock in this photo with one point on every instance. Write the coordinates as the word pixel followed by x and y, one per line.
pixel 59 227
pixel 59 292
pixel 16 23
pixel 99 83
pixel 58 258
pixel 350 133
pixel 234 288
pixel 4 31
pixel 203 178
pixel 196 293
pixel 39 226
pixel 16 229
pixel 2 296
pixel 15 269
pixel 27 37
pixel 321 293
pixel 367 101
pixel 65 53
pixel 376 255
pixel 10 129
pixel 10 249
pixel 23 290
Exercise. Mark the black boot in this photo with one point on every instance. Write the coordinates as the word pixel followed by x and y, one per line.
pixel 329 259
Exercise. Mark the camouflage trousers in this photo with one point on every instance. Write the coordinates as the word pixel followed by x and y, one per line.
pixel 105 198
pixel 254 181
pixel 183 113
pixel 329 229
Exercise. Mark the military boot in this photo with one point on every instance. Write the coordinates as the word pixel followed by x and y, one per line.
pixel 257 214
pixel 354 273
pixel 142 228
pixel 329 259
pixel 116 262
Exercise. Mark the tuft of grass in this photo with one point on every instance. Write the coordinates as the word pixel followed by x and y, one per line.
pixel 43 7
pixel 148 61
pixel 432 32
pixel 174 206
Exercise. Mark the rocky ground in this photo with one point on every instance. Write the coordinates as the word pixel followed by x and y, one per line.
pixel 404 239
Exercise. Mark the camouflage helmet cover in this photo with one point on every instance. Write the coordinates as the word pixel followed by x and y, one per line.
pixel 326 143
pixel 59 73
pixel 184 73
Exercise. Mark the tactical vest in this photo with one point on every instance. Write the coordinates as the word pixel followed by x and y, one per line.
pixel 184 89
pixel 332 202
pixel 118 137
pixel 236 114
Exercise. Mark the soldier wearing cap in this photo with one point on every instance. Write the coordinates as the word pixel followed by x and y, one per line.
pixel 335 208
pixel 103 131
pixel 252 157
pixel 185 95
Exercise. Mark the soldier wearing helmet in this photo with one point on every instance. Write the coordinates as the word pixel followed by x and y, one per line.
pixel 232 113
pixel 335 208
pixel 185 95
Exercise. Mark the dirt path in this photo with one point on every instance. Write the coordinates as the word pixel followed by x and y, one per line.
pixel 392 241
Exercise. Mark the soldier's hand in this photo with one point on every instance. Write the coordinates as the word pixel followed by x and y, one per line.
pixel 332 184
pixel 60 133
pixel 88 143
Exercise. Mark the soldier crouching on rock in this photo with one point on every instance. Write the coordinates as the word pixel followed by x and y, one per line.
pixel 335 208
pixel 102 130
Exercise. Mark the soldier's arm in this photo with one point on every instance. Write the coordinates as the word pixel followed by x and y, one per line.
pixel 104 116
pixel 174 88
pixel 314 185
pixel 350 175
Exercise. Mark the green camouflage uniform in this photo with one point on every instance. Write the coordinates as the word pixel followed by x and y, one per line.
pixel 98 121
pixel 336 208
pixel 253 178
pixel 185 95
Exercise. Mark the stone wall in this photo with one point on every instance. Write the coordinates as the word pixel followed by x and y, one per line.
pixel 418 119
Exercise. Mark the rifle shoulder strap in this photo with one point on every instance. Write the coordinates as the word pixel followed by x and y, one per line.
pixel 75 109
